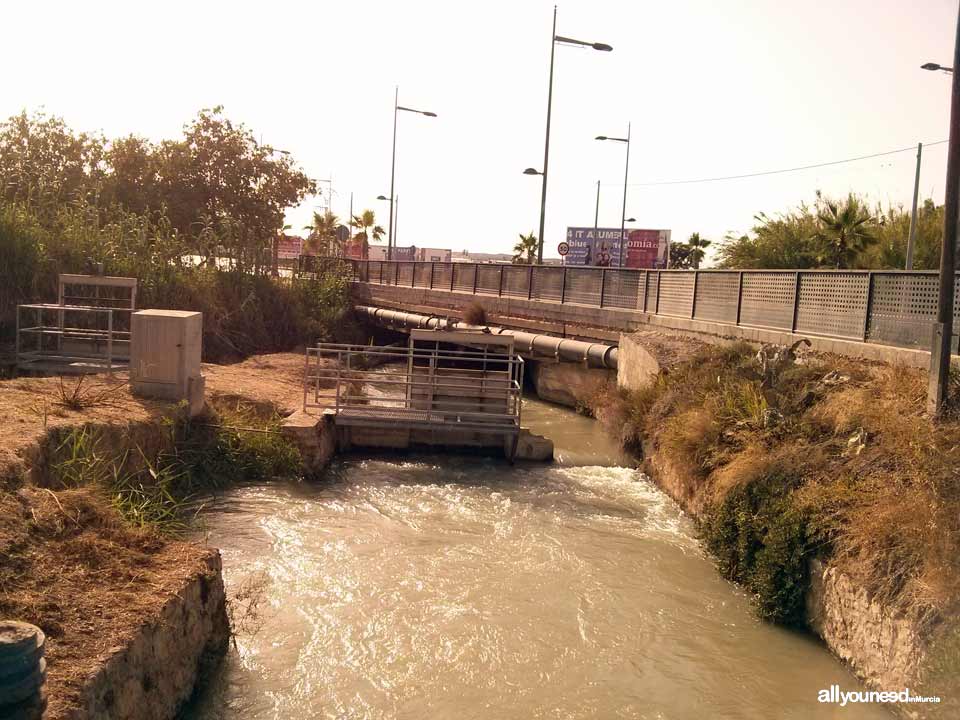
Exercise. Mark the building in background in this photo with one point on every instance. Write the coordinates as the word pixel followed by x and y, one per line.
pixel 601 247
pixel 407 254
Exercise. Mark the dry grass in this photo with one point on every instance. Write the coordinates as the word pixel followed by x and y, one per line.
pixel 878 482
pixel 75 569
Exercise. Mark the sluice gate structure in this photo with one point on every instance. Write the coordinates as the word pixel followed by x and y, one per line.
pixel 450 389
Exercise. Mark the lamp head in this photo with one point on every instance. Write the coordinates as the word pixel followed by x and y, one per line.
pixel 532 171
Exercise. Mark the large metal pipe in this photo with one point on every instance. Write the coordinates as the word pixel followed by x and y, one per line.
pixel 531 344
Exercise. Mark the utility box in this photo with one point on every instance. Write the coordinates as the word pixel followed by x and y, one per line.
pixel 165 356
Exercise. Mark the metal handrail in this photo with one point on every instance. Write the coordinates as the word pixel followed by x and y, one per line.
pixel 890 307
pixel 433 394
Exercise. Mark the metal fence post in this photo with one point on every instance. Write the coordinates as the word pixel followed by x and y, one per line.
pixel 603 284
pixel 433 267
pixel 396 274
pixel 646 288
pixel 796 301
pixel 693 300
pixel 500 288
pixel 453 272
pixel 563 286
pixel 866 310
pixel 413 278
pixel 530 283
pixel 476 271
pixel 656 306
pixel 739 296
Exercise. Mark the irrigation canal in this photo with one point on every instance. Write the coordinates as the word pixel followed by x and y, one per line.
pixel 462 587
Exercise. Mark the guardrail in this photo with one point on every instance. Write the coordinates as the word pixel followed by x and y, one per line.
pixel 67 338
pixel 888 307
pixel 451 388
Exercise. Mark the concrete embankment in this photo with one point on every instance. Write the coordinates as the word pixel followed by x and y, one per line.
pixel 157 670
pixel 698 455
pixel 132 616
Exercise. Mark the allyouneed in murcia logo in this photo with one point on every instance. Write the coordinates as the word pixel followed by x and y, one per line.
pixel 834 694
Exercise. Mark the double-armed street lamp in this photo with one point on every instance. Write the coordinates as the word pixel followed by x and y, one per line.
pixel 393 163
pixel 395 209
pixel 554 41
pixel 626 173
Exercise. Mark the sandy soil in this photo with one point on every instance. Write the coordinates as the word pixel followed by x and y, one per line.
pixel 67 564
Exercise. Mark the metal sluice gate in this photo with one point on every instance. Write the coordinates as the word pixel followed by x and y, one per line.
pixel 465 381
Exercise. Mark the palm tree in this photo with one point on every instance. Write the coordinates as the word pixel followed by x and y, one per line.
pixel 844 230
pixel 366 222
pixel 525 251
pixel 698 246
pixel 322 239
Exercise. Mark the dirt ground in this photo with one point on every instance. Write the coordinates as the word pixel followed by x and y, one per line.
pixel 67 563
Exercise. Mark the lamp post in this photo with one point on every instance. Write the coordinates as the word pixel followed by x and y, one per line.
pixel 393 163
pixel 936 66
pixel 554 39
pixel 626 174
pixel 937 394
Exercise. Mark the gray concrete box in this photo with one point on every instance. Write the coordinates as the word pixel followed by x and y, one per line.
pixel 165 350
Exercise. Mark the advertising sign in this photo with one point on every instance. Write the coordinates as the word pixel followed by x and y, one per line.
pixel 289 246
pixel 601 247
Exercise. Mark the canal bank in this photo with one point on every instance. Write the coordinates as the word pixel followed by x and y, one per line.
pixel 405 586
pixel 818 484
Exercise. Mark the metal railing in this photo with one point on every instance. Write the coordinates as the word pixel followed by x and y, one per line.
pixel 888 307
pixel 68 338
pixel 478 390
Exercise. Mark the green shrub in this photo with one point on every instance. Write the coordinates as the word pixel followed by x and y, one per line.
pixel 761 539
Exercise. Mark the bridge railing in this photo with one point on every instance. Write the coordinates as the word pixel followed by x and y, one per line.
pixel 888 307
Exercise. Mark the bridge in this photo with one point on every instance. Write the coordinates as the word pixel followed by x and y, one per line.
pixel 881 315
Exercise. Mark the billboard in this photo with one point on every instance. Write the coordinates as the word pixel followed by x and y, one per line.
pixel 289 246
pixel 601 247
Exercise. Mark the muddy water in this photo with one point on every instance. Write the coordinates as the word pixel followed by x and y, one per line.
pixel 437 587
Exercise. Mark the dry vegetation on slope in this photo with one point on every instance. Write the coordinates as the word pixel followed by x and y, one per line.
pixel 824 457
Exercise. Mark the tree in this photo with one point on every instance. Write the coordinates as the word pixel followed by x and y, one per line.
pixel 680 256
pixel 844 230
pixel 368 228
pixel 697 247
pixel 323 237
pixel 525 251
pixel 44 163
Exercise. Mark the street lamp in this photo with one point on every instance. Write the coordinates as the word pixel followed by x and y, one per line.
pixel 393 162
pixel 626 173
pixel 554 39
pixel 395 209
pixel 936 66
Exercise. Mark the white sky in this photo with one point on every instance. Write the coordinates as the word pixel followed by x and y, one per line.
pixel 712 88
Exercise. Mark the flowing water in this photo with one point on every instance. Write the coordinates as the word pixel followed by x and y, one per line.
pixel 447 587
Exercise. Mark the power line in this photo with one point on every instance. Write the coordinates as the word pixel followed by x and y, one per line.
pixel 778 172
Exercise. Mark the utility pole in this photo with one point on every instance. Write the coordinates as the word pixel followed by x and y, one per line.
pixel 596 213
pixel 912 239
pixel 937 395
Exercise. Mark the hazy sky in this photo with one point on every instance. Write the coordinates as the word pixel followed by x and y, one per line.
pixel 712 89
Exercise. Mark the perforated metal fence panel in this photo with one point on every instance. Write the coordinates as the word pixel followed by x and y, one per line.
pixel 405 273
pixel 676 294
pixel 516 280
pixel 463 276
pixel 832 303
pixel 583 286
pixel 442 274
pixel 622 289
pixel 488 279
pixel 902 308
pixel 547 283
pixel 421 275
pixel 717 296
pixel 767 300
pixel 653 289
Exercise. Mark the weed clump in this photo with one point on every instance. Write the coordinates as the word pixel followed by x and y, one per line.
pixel 153 484
pixel 475 314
